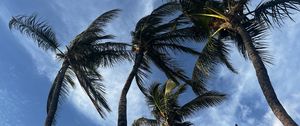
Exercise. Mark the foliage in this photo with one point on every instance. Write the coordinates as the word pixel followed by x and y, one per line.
pixel 163 101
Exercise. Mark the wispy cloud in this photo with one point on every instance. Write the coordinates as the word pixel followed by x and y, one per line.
pixel 245 105
pixel 11 113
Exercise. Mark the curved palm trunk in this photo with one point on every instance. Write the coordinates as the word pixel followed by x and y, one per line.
pixel 264 80
pixel 122 110
pixel 56 92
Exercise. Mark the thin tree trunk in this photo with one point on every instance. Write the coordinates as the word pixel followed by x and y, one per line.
pixel 56 92
pixel 122 110
pixel 264 80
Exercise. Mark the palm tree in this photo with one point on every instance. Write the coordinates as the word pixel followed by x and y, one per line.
pixel 82 57
pixel 153 41
pixel 232 20
pixel 163 101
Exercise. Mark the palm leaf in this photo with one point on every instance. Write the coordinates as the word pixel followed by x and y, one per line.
pixel 175 48
pixel 37 30
pixel 258 32
pixel 90 81
pixel 168 65
pixel 101 21
pixel 170 85
pixel 276 10
pixel 93 34
pixel 145 122
pixel 163 101
pixel 186 34
pixel 102 54
pixel 167 9
pixel 214 52
pixel 205 100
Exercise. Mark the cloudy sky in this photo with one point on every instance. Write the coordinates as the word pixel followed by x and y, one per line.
pixel 26 72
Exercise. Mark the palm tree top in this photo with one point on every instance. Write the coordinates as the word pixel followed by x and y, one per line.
pixel 89 50
pixel 165 107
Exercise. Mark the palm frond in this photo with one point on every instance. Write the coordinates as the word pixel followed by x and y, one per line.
pixel 96 91
pixel 169 86
pixel 143 71
pixel 192 6
pixel 155 100
pixel 222 52
pixel 94 33
pixel 175 48
pixel 145 122
pixel 167 9
pixel 186 34
pixel 258 32
pixel 37 30
pixel 240 45
pixel 66 83
pixel 90 81
pixel 97 25
pixel 187 123
pixel 90 39
pixel 103 54
pixel 168 65
pixel 214 52
pixel 205 100
pixel 163 101
pixel 275 11
pixel 181 19
pixel 147 22
pixel 180 90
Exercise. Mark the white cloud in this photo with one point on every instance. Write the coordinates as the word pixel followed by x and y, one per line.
pixel 11 114
pixel 245 97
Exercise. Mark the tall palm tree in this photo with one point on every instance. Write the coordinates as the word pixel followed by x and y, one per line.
pixel 153 41
pixel 163 101
pixel 82 57
pixel 233 20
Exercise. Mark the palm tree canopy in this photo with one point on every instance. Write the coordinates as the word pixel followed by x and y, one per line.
pixel 155 38
pixel 145 122
pixel 81 59
pixel 234 21
pixel 163 101
pixel 216 17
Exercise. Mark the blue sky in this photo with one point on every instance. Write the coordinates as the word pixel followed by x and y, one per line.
pixel 27 71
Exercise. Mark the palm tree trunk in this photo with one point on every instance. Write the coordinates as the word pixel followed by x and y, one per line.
pixel 264 80
pixel 56 92
pixel 122 110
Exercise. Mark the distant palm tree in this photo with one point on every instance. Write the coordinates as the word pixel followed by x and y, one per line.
pixel 232 20
pixel 153 40
pixel 82 57
pixel 163 101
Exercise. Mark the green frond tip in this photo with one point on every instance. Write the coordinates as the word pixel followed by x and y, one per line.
pixel 36 29
pixel 170 85
pixel 145 122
